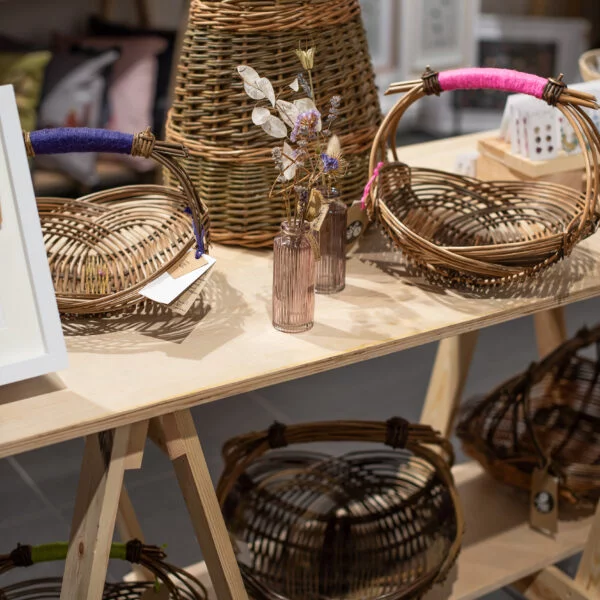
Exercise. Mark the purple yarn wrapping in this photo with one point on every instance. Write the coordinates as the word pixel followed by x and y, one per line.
pixel 80 139
pixel 199 235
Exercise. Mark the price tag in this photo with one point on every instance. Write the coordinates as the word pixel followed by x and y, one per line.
pixel 317 223
pixel 187 264
pixel 182 304
pixel 544 502
pixel 166 288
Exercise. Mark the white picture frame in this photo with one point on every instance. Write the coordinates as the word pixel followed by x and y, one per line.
pixel 439 33
pixel 31 337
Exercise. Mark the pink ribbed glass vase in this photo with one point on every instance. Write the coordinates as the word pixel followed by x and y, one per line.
pixel 331 269
pixel 293 279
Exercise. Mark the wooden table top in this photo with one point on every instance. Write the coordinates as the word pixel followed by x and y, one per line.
pixel 125 370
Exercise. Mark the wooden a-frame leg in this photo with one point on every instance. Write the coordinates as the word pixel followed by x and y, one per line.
pixel 100 484
pixel 185 451
pixel 588 574
pixel 448 380
pixel 128 525
pixel 550 329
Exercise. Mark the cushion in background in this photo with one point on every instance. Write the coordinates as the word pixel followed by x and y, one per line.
pixel 25 71
pixel 74 96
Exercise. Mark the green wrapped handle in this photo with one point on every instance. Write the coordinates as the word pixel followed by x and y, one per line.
pixel 58 551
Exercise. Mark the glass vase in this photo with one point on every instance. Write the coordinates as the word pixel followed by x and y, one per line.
pixel 293 278
pixel 331 269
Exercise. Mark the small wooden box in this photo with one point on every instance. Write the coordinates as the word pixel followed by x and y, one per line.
pixel 497 163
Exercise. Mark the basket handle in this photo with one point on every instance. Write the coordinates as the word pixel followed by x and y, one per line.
pixel 63 140
pixel 504 80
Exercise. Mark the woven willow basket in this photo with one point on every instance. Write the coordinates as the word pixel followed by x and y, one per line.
pixel 548 415
pixel 370 524
pixel 464 232
pixel 230 158
pixel 105 247
pixel 588 65
pixel 181 585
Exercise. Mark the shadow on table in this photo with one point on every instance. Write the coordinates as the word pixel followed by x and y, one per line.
pixel 556 282
pixel 220 310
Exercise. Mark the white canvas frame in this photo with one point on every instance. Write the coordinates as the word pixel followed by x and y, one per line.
pixel 31 338
pixel 415 50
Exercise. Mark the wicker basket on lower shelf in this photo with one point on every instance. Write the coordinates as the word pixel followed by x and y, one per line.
pixel 460 231
pixel 547 416
pixel 105 247
pixel 181 585
pixel 370 524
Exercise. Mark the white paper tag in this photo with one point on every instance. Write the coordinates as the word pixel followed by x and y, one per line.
pixel 183 303
pixel 166 288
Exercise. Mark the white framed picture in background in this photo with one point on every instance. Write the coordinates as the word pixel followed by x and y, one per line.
pixel 31 338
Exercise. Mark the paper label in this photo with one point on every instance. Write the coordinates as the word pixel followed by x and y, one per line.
pixel 320 218
pixel 242 553
pixel 187 264
pixel 166 288
pixel 544 501
pixel 183 303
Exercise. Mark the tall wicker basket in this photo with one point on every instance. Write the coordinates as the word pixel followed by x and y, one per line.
pixel 230 158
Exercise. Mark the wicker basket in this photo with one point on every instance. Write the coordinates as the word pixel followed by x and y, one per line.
pixel 373 524
pixel 548 415
pixel 105 247
pixel 230 161
pixel 464 232
pixel 588 65
pixel 181 585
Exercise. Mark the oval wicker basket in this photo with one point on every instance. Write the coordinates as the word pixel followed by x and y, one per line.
pixel 230 159
pixel 373 524
pixel 548 415
pixel 105 247
pixel 588 65
pixel 460 231
pixel 181 585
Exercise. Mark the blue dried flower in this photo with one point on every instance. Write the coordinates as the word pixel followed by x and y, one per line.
pixel 329 163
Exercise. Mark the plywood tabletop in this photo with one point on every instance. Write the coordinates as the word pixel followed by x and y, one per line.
pixel 128 369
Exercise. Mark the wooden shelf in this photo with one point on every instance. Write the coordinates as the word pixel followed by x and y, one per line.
pixel 499 547
pixel 128 369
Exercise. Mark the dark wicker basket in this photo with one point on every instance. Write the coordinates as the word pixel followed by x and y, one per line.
pixel 230 159
pixel 181 585
pixel 105 247
pixel 548 415
pixel 371 524
pixel 460 231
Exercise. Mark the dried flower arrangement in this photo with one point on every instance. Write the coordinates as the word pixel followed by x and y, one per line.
pixel 310 160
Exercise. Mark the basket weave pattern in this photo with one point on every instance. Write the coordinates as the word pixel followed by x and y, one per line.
pixel 460 231
pixel 550 414
pixel 105 247
pixel 230 161
pixel 369 524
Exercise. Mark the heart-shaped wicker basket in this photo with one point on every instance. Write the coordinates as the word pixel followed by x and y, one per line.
pixel 105 247
pixel 460 231
pixel 370 524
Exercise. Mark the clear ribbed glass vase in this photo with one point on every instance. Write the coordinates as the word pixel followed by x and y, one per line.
pixel 331 269
pixel 293 279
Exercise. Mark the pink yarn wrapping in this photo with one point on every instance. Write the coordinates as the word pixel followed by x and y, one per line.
pixel 504 80
pixel 363 200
